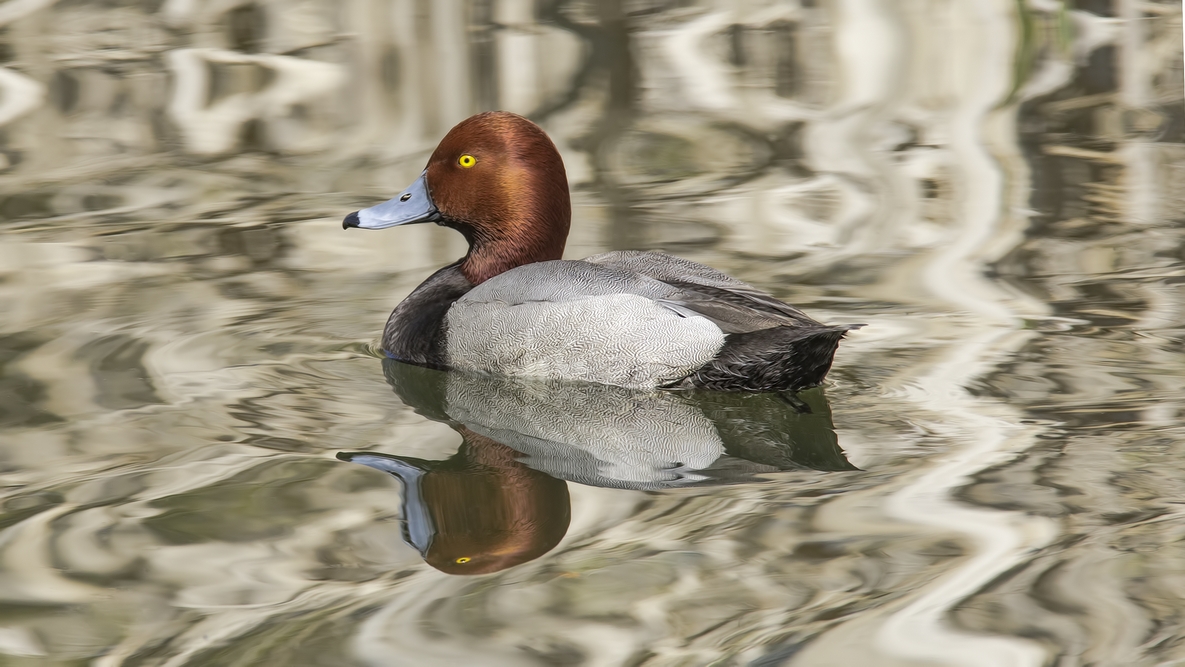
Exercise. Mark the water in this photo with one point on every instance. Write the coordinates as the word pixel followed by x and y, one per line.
pixel 991 476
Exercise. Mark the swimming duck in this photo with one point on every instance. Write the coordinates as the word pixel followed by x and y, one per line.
pixel 512 306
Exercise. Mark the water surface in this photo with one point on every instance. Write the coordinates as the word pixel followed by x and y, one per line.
pixel 992 474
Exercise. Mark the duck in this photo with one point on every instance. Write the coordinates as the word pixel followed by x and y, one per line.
pixel 512 306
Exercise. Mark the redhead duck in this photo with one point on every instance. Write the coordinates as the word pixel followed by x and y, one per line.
pixel 512 306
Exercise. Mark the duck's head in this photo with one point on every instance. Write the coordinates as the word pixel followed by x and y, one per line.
pixel 480 511
pixel 498 179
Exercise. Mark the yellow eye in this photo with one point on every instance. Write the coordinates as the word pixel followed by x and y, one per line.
pixel 467 161
pixel 464 559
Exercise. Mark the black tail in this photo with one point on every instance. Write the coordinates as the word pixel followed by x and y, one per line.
pixel 777 359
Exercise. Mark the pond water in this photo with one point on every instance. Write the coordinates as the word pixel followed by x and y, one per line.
pixel 993 474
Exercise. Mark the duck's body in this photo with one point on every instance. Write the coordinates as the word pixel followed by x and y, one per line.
pixel 633 319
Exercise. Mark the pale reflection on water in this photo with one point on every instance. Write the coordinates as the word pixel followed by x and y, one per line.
pixel 501 500
pixel 187 334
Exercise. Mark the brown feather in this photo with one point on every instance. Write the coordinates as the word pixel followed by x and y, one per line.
pixel 512 205
pixel 492 511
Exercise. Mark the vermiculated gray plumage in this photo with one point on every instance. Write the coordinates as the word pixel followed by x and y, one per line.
pixel 633 319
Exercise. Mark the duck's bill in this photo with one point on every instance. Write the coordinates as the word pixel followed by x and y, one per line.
pixel 418 526
pixel 407 208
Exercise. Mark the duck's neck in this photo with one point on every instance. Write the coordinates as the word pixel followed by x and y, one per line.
pixel 529 236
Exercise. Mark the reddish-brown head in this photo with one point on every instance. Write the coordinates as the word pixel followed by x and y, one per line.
pixel 489 511
pixel 498 179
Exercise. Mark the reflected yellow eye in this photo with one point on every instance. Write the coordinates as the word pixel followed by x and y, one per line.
pixel 467 161
pixel 463 559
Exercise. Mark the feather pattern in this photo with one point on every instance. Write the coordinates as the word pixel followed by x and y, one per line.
pixel 637 319
pixel 620 339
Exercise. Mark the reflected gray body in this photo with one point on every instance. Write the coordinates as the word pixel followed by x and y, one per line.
pixel 615 437
pixel 589 433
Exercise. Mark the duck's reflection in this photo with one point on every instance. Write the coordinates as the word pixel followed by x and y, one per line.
pixel 481 510
pixel 501 500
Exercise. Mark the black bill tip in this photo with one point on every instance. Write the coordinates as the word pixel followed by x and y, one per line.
pixel 351 221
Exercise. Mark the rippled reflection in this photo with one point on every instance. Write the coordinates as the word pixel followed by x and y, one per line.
pixel 614 437
pixel 501 500
pixel 480 510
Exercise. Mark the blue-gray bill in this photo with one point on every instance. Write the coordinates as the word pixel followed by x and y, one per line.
pixel 418 527
pixel 411 206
